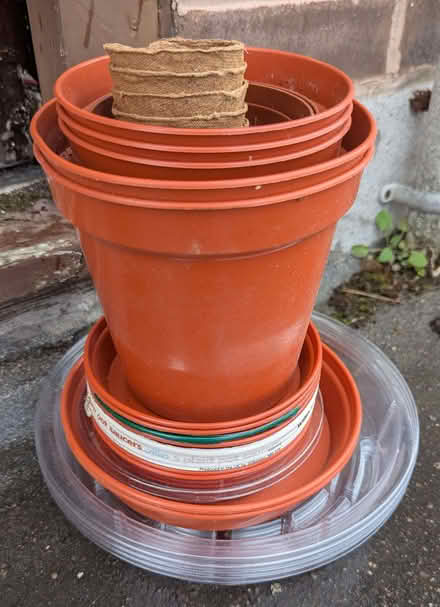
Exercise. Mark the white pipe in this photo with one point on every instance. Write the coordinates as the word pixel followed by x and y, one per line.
pixel 428 202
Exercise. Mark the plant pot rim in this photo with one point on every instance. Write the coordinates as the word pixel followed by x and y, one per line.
pixel 58 89
pixel 73 138
pixel 308 386
pixel 55 159
pixel 197 206
pixel 217 150
pixel 343 115
pixel 337 458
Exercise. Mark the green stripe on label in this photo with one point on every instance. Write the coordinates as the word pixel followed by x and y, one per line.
pixel 200 440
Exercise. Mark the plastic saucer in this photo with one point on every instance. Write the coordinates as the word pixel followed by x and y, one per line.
pixel 340 517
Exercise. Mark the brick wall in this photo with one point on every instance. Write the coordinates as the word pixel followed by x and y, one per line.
pixel 366 38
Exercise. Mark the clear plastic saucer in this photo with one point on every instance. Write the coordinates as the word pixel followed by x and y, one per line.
pixel 201 491
pixel 336 520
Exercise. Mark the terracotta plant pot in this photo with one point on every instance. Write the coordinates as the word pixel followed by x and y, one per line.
pixel 338 440
pixel 107 382
pixel 259 115
pixel 292 103
pixel 215 327
pixel 83 84
pixel 126 161
pixel 211 158
pixel 52 147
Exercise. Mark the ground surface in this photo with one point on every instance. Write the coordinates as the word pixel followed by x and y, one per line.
pixel 45 561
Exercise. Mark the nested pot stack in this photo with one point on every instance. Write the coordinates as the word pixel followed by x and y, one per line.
pixel 207 247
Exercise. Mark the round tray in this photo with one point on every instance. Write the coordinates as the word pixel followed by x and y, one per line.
pixel 336 520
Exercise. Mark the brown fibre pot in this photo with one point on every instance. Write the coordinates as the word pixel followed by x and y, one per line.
pixel 83 84
pixel 106 380
pixel 214 329
pixel 338 440
pixel 127 161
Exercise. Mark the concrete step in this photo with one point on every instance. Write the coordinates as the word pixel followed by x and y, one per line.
pixel 39 249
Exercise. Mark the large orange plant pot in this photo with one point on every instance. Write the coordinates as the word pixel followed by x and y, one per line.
pixel 207 287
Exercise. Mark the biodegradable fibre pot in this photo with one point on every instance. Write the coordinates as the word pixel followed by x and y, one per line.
pixel 179 55
pixel 107 382
pixel 83 84
pixel 138 81
pixel 214 329
pixel 201 486
pixel 216 120
pixel 192 104
pixel 343 416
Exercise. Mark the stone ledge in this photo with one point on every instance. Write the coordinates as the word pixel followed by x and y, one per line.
pixel 39 250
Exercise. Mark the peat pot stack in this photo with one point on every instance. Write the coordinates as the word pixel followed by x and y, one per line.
pixel 180 83
pixel 205 398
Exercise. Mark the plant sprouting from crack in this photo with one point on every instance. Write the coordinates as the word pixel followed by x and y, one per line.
pixel 398 248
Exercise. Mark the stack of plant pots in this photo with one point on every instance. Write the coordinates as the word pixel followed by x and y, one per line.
pixel 205 398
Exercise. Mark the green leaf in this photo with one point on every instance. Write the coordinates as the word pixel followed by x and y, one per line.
pixel 359 250
pixel 403 245
pixel 386 256
pixel 402 255
pixel 421 272
pixel 403 225
pixel 384 221
pixel 417 260
pixel 395 240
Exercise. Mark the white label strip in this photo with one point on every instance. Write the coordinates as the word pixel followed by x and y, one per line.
pixel 195 459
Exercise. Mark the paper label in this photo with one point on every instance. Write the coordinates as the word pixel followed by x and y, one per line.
pixel 195 459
